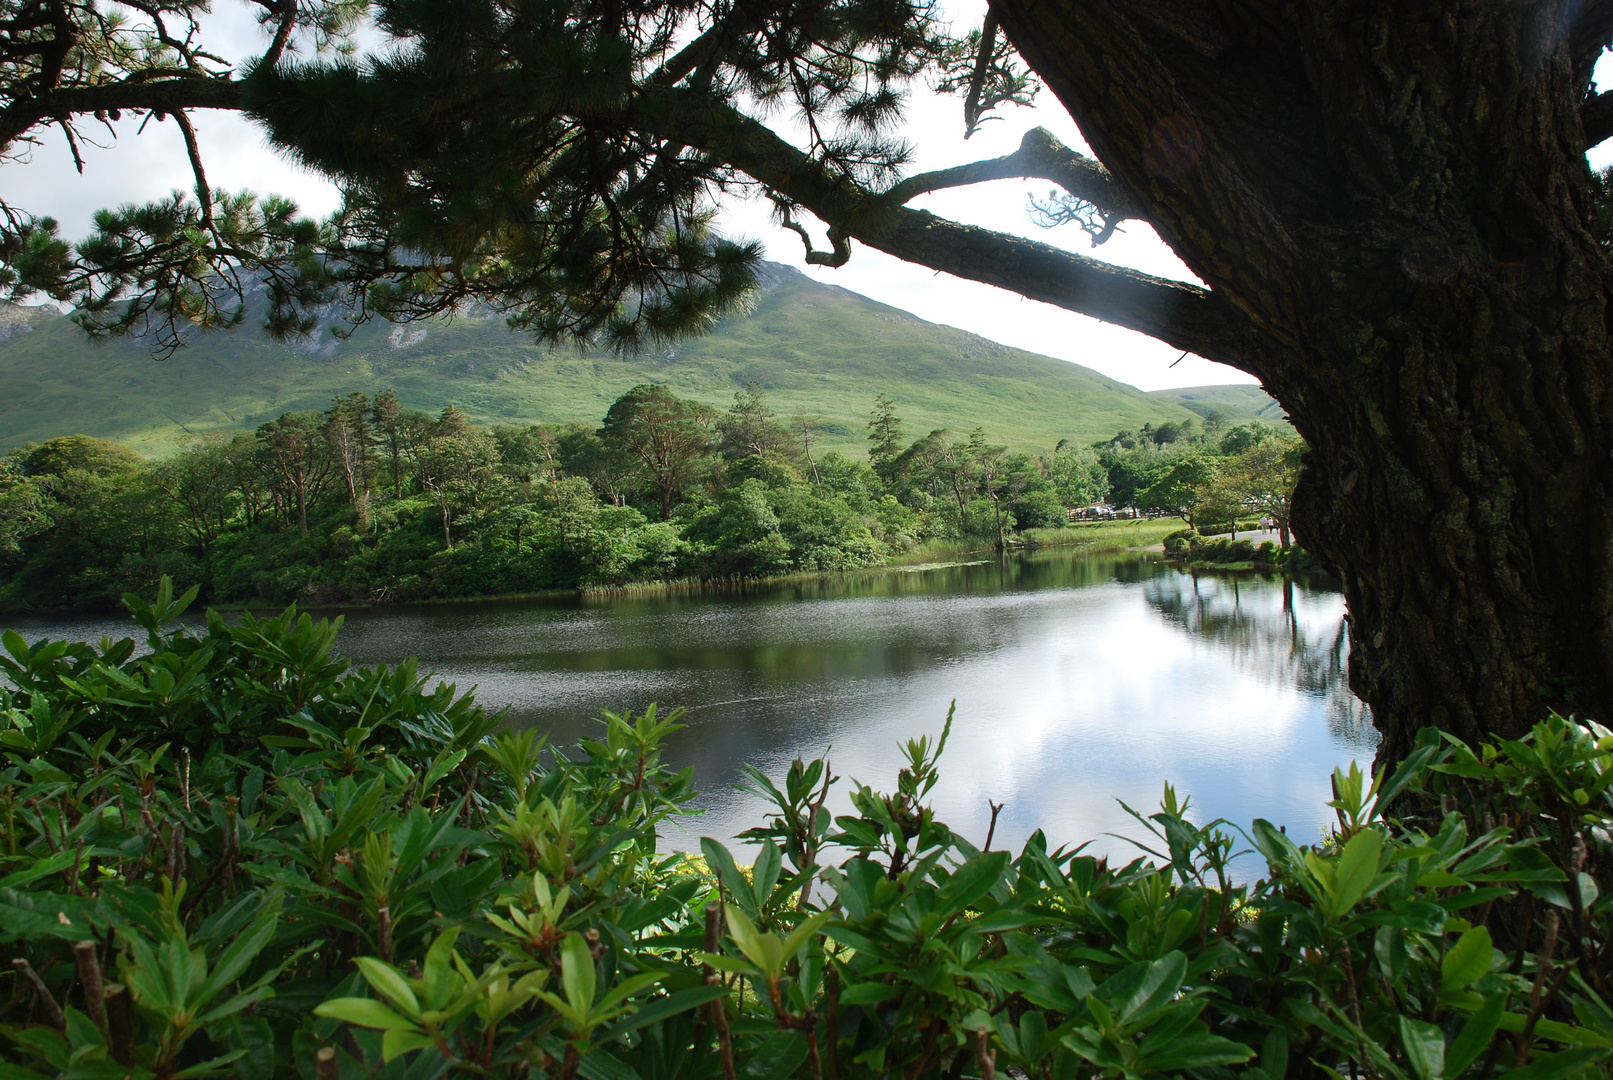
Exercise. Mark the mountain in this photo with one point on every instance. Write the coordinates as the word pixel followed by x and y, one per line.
pixel 1238 403
pixel 815 347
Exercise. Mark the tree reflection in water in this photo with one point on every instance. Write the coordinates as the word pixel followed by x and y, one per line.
pixel 1079 681
pixel 1290 638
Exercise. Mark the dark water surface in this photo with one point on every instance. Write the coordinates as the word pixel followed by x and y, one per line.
pixel 1079 681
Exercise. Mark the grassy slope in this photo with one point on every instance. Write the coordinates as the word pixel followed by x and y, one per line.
pixel 816 347
pixel 1237 402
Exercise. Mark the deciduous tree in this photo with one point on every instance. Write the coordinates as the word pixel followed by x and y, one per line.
pixel 669 437
pixel 200 481
pixel 296 449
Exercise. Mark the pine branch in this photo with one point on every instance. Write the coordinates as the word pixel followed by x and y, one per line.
pixel 1183 315
pixel 1042 157
pixel 167 95
pixel 1597 116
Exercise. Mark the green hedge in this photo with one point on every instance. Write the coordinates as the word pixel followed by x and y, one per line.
pixel 234 855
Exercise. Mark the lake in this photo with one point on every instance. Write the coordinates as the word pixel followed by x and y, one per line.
pixel 1080 682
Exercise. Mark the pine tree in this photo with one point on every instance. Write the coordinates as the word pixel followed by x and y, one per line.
pixel 884 438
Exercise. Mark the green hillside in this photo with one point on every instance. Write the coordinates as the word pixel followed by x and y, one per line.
pixel 814 347
pixel 1236 402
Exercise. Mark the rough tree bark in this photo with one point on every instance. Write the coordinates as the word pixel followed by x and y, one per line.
pixel 1394 195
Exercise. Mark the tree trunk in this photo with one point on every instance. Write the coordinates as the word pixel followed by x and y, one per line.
pixel 1395 196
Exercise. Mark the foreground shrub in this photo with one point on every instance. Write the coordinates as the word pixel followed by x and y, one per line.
pixel 234 855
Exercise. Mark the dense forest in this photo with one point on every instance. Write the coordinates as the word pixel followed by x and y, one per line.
pixel 370 501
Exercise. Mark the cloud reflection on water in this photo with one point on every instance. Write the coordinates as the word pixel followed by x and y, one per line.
pixel 1078 682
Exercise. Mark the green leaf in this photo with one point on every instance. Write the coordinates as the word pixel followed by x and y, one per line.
pixel 1475 1036
pixel 1032 1035
pixel 1557 1066
pixel 971 881
pixel 762 949
pixel 719 859
pixel 1274 1053
pixel 365 1012
pixel 1159 983
pixel 1410 769
pixel 1420 916
pixel 442 768
pixel 765 874
pixel 1200 1051
pixel 1468 960
pixel 46 867
pixel 1357 867
pixel 396 1042
pixel 869 993
pixel 1425 1048
pixel 439 977
pixel 254 1038
pixel 778 1057
pixel 599 1065
pixel 239 956
pixel 627 988
pixel 577 973
pixel 1553 892
pixel 389 984
pixel 803 933
pixel 665 1007
pixel 208 1068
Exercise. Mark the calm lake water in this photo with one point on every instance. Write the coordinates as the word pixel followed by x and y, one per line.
pixel 1079 682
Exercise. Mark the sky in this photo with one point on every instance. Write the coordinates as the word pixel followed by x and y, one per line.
pixel 142 166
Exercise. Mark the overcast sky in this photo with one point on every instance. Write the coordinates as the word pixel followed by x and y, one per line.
pixel 137 168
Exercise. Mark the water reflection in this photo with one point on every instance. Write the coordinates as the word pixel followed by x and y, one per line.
pixel 1078 681
pixel 1304 646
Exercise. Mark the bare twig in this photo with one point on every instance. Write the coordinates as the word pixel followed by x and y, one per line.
pixel 119 1030
pixel 72 144
pixel 53 1011
pixel 991 832
pixel 89 978
pixel 719 1016
pixel 838 242
pixel 977 81
pixel 204 196
pixel 831 1017
pixel 1537 999
pixel 383 916
pixel 985 1057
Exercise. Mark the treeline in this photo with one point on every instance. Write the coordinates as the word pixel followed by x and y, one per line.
pixel 1212 477
pixel 369 500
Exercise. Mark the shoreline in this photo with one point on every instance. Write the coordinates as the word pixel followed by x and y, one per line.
pixel 930 556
